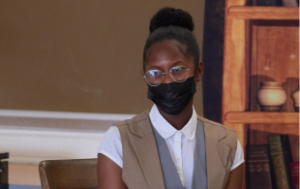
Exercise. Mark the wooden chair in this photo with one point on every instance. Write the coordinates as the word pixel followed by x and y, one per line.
pixel 69 174
pixel 3 168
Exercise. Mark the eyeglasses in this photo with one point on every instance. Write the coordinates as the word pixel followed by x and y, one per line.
pixel 155 77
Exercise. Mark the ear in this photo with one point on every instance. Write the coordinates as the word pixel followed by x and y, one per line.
pixel 199 71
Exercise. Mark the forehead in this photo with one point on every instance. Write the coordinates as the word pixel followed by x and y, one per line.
pixel 167 52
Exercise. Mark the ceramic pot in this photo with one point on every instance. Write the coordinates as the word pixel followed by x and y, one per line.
pixel 295 97
pixel 271 96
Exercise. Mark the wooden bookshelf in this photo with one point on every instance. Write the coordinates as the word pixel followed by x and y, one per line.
pixel 260 44
pixel 251 43
pixel 263 117
pixel 263 13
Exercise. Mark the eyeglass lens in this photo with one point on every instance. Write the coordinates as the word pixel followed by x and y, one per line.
pixel 177 73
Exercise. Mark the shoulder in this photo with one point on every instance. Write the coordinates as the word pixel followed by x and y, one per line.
pixel 215 124
pixel 139 125
pixel 220 132
pixel 111 138
pixel 138 118
pixel 221 136
pixel 111 146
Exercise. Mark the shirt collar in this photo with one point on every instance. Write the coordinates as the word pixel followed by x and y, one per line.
pixel 166 130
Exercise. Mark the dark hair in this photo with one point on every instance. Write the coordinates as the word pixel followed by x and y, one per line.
pixel 172 24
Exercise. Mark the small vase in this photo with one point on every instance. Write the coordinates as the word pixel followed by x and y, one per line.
pixel 295 97
pixel 271 96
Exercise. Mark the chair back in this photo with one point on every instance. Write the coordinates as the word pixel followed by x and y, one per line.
pixel 69 174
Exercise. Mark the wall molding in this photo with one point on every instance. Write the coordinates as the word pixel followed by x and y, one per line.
pixel 33 136
pixel 64 115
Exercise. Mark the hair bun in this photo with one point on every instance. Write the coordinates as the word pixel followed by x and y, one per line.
pixel 170 16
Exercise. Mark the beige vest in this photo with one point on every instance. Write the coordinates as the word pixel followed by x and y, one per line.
pixel 141 163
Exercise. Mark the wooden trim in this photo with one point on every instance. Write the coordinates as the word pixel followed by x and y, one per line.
pixel 263 13
pixel 263 117
pixel 234 72
pixel 64 115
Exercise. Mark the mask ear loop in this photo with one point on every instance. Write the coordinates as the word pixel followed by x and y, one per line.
pixel 196 66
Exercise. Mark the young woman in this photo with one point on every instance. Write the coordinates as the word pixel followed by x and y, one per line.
pixel 170 146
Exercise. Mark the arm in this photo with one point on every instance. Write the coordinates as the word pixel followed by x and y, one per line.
pixel 109 174
pixel 235 179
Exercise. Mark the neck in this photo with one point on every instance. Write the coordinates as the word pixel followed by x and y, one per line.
pixel 180 120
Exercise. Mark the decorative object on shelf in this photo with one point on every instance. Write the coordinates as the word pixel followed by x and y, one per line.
pixel 295 97
pixel 271 96
pixel 268 2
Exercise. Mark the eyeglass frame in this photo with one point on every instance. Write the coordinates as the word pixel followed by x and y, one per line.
pixel 164 73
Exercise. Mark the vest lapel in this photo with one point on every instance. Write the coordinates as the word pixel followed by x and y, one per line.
pixel 217 154
pixel 147 153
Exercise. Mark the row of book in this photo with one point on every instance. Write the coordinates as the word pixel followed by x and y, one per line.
pixel 271 166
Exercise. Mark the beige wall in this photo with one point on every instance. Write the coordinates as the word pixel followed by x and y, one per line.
pixel 79 55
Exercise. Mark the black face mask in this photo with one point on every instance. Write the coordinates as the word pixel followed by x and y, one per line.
pixel 172 98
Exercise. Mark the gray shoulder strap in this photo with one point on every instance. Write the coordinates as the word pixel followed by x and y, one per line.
pixel 200 167
pixel 171 177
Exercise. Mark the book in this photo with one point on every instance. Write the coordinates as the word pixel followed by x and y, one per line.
pixel 294 167
pixel 294 142
pixel 258 167
pixel 281 156
pixel 268 2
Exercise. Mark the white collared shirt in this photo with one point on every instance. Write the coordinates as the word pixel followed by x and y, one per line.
pixel 180 143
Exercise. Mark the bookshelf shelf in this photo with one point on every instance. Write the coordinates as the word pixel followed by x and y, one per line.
pixel 263 13
pixel 263 117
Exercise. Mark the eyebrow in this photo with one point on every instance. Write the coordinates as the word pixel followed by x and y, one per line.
pixel 174 64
